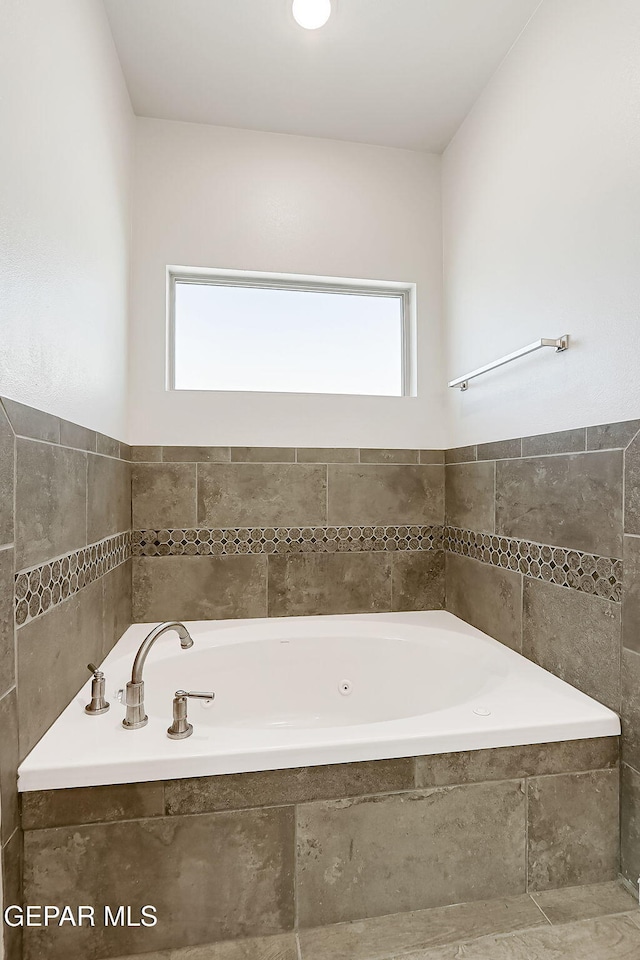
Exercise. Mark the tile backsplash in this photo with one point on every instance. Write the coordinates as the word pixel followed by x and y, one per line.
pixel 245 532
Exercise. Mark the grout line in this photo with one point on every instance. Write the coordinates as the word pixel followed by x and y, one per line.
pixel 295 868
pixel 624 494
pixel 10 838
pixel 525 783
pixel 86 502
pixel 633 438
pixel 9 691
pixel 521 650
pixel 575 773
pixel 196 495
pixel 540 909
pixel 326 493
pixel 629 886
pixel 298 945
pixel 495 482
pixel 15 553
pixel 3 410
pixel 64 446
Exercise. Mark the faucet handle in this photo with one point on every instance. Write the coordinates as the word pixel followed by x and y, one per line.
pixel 196 694
pixel 181 728
pixel 98 704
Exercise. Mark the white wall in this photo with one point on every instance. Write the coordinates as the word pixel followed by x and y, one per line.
pixel 541 210
pixel 65 123
pixel 235 199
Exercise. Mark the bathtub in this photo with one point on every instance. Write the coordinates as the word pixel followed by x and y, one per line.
pixel 312 690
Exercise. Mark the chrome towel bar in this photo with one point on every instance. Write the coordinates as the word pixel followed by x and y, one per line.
pixel 561 344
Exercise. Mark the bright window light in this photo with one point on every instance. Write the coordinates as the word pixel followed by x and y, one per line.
pixel 277 337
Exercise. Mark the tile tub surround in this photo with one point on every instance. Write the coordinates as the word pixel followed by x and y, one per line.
pixel 582 489
pixel 65 587
pixel 236 531
pixel 581 641
pixel 226 502
pixel 340 842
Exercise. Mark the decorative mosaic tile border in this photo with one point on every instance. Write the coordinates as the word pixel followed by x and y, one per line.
pixel 586 572
pixel 589 573
pixel 243 540
pixel 41 588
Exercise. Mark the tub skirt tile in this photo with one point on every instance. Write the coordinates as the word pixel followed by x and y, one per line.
pixel 296 785
pixel 212 877
pixel 380 855
pixel 507 763
pixel 83 805
pixel 573 829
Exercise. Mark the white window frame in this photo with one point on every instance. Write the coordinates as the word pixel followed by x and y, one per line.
pixel 405 292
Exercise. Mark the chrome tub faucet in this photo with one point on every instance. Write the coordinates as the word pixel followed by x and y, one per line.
pixel 134 694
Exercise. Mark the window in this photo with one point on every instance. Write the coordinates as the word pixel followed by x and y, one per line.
pixel 293 335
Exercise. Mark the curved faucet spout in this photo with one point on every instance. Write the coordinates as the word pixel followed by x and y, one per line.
pixel 186 641
pixel 134 693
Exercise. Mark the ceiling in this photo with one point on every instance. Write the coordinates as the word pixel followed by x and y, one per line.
pixel 401 73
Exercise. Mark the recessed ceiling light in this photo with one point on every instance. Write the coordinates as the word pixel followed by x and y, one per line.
pixel 311 14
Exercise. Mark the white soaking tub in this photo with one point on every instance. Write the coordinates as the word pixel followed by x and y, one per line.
pixel 312 690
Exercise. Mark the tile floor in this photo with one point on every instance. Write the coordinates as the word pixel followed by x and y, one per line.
pixel 599 922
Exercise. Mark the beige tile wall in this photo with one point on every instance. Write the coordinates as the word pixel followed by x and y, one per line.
pixel 71 489
pixel 577 489
pixel 284 489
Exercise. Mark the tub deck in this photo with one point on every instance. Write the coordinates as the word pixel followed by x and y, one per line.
pixel 300 692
